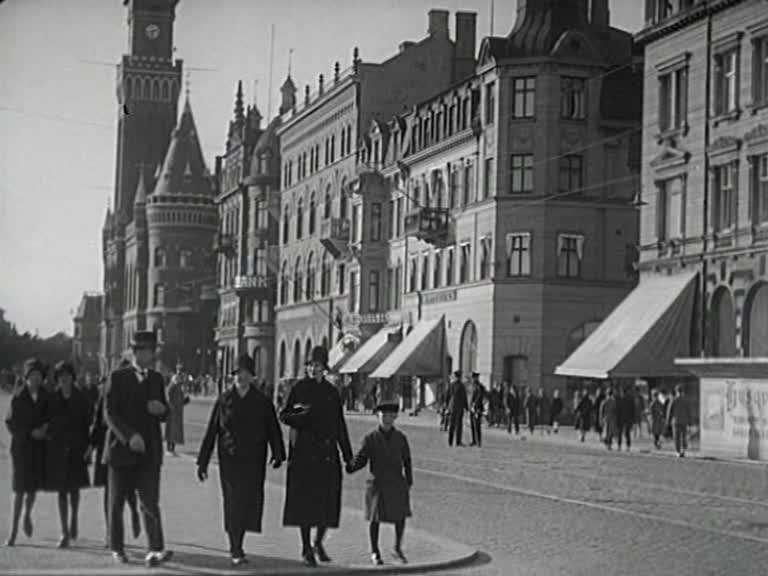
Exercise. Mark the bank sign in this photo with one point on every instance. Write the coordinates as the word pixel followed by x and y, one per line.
pixel 734 417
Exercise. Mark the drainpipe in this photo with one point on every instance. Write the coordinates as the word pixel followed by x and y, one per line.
pixel 705 236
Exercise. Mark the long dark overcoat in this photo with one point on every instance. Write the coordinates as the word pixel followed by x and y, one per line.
pixel 68 441
pixel 387 493
pixel 658 417
pixel 318 431
pixel 584 413
pixel 241 428
pixel 174 425
pixel 97 439
pixel 27 454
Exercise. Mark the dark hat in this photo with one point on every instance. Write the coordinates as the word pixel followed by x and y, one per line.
pixel 457 373
pixel 475 374
pixel 144 339
pixel 32 365
pixel 245 362
pixel 388 407
pixel 62 367
pixel 320 355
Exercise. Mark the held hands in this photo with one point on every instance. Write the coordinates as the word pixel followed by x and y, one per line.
pixel 155 407
pixel 40 432
pixel 202 474
pixel 136 444
pixel 348 467
pixel 276 463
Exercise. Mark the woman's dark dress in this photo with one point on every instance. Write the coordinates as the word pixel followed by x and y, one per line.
pixel 27 454
pixel 68 440
pixel 241 427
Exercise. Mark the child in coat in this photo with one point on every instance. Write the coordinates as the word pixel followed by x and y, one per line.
pixel 387 497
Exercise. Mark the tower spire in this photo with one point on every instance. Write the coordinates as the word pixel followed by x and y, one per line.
pixel 239 114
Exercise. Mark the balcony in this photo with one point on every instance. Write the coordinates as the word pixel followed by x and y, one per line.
pixel 334 235
pixel 428 224
pixel 223 243
pixel 252 282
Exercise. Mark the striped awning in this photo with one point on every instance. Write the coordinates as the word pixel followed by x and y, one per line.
pixel 372 352
pixel 421 353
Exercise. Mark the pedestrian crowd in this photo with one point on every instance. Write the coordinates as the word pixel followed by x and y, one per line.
pixel 56 430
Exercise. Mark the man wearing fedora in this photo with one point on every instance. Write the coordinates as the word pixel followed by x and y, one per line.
pixel 457 404
pixel 318 431
pixel 476 410
pixel 134 407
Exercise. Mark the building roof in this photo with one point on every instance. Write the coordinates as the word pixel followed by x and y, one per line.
pixel 141 190
pixel 89 307
pixel 184 170
pixel 266 164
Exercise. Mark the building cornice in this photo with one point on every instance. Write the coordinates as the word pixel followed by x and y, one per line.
pixel 681 20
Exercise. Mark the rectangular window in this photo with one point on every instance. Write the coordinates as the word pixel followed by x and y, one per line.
pixel 399 217
pixel 356 229
pixel 521 173
pixel 673 100
pixel 671 204
pixel 390 288
pixel 468 184
pixel 465 265
pixel 519 254
pixel 436 263
pixel 760 71
pixel 425 271
pixel 392 218
pixel 398 286
pixel 342 279
pixel 373 291
pixel 353 299
pixel 412 275
pixel 449 270
pixel 490 172
pixel 486 257
pixel 375 221
pixel 523 97
pixel 571 170
pixel 453 189
pixel 726 82
pixel 490 103
pixel 570 249
pixel 762 187
pixel 573 98
pixel 725 197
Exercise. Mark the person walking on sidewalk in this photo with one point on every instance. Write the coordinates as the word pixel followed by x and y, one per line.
pixel 513 409
pixel 544 408
pixel 679 418
pixel 27 421
pixel 387 495
pixel 242 423
pixel 68 449
pixel 476 410
pixel 177 399
pixel 134 407
pixel 584 412
pixel 658 418
pixel 530 405
pixel 318 431
pixel 609 418
pixel 625 416
pixel 597 405
pixel 555 410
pixel 457 404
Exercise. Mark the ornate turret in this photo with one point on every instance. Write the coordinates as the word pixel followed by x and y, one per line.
pixel 140 202
pixel 265 158
pixel 237 125
pixel 288 92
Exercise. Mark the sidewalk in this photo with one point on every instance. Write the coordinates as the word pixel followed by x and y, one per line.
pixel 193 523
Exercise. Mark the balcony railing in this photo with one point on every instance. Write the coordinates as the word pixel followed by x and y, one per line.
pixel 252 282
pixel 428 224
pixel 334 235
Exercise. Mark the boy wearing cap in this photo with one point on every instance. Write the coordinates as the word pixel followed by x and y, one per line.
pixel 387 496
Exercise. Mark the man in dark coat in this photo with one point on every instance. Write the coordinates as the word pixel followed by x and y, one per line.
pixel 625 416
pixel 476 410
pixel 243 422
pixel 387 494
pixel 318 431
pixel 457 404
pixel 513 409
pixel 134 407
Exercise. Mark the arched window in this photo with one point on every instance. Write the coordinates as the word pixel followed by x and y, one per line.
pixel 308 350
pixel 146 88
pixel 159 295
pixel 281 360
pixel 297 359
pixel 297 280
pixel 325 276
pixel 284 279
pixel 166 90
pixel 755 335
pixel 174 91
pixel 159 257
pixel 299 219
pixel 343 200
pixel 327 204
pixel 311 276
pixel 468 350
pixel 185 258
pixel 286 226
pixel 723 324
pixel 128 87
pixel 155 90
pixel 312 214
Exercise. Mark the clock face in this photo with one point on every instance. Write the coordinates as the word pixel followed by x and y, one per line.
pixel 152 31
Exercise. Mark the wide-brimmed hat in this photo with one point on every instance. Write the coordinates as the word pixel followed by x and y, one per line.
pixel 144 339
pixel 245 362
pixel 32 365
pixel 320 355
pixel 62 368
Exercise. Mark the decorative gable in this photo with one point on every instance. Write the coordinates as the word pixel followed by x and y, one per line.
pixel 724 145
pixel 757 136
pixel 670 158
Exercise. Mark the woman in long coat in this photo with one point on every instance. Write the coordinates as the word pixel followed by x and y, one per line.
pixel 609 418
pixel 68 449
pixel 658 418
pixel 313 488
pixel 584 415
pixel 242 423
pixel 174 425
pixel 27 421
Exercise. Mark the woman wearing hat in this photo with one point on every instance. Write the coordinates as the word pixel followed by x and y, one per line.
pixel 242 423
pixel 313 486
pixel 27 421
pixel 68 448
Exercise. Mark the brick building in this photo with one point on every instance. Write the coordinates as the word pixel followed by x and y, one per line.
pixel 86 339
pixel 157 243
pixel 704 223
pixel 319 268
pixel 507 200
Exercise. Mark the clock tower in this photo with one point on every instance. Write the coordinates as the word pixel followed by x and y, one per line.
pixel 151 27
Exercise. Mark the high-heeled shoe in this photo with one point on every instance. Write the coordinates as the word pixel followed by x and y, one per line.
pixel 10 542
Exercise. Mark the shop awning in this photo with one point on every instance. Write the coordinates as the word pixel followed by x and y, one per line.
pixel 642 336
pixel 341 352
pixel 372 352
pixel 421 353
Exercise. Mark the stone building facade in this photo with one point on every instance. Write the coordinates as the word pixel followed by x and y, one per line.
pixel 319 140
pixel 87 326
pixel 506 199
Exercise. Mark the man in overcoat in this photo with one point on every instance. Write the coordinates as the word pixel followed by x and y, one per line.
pixel 457 404
pixel 476 410
pixel 134 407
pixel 314 412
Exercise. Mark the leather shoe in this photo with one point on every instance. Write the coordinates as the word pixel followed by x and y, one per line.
pixel 64 542
pixel 376 559
pixel 398 553
pixel 11 541
pixel 309 558
pixel 120 557
pixel 320 553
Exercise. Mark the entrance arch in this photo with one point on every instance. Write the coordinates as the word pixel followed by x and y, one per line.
pixel 468 349
pixel 756 325
pixel 723 324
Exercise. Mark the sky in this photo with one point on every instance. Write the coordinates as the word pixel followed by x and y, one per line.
pixel 58 110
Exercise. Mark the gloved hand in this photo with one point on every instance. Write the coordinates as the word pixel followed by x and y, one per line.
pixel 202 474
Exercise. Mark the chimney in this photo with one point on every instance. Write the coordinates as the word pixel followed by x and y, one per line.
pixel 438 23
pixel 464 53
pixel 600 14
pixel 405 45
